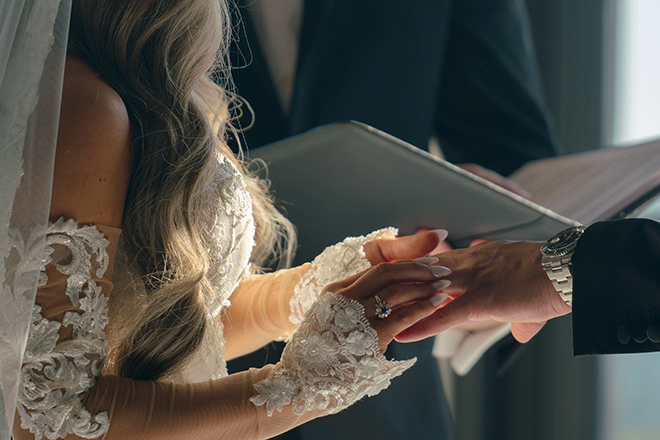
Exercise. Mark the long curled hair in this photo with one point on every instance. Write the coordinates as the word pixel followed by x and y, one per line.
pixel 159 55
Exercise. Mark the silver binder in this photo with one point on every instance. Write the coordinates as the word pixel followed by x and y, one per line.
pixel 349 179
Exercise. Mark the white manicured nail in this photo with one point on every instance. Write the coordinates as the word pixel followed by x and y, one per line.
pixel 442 233
pixel 440 271
pixel 438 299
pixel 426 260
pixel 440 285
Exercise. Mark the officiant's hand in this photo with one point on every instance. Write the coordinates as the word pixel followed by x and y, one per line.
pixel 498 280
pixel 496 178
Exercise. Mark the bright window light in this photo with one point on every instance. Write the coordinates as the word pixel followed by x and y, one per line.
pixel 631 383
pixel 636 71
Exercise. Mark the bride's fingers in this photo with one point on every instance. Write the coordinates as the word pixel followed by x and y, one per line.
pixel 397 295
pixel 376 279
pixel 399 320
pixel 343 284
pixel 403 248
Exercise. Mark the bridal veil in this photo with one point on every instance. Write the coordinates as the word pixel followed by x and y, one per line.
pixel 33 38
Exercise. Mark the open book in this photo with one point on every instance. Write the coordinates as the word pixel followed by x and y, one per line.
pixel 349 179
pixel 595 185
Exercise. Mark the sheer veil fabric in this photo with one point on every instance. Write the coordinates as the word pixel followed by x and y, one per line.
pixel 33 38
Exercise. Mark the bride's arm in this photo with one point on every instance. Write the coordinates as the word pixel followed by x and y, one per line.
pixel 260 310
pixel 333 359
pixel 146 410
pixel 270 306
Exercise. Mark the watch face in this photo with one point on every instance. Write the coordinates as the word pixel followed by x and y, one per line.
pixel 563 243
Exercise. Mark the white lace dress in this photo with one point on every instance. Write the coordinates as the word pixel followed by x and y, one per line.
pixel 331 360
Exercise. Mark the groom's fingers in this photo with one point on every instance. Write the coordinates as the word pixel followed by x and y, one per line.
pixel 453 314
pixel 524 331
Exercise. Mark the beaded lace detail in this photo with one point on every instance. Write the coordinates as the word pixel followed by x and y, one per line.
pixel 55 377
pixel 231 235
pixel 334 264
pixel 231 240
pixel 332 361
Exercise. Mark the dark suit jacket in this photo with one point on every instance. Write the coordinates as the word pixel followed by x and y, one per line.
pixel 616 288
pixel 461 70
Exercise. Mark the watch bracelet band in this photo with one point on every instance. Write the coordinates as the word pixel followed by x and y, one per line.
pixel 560 274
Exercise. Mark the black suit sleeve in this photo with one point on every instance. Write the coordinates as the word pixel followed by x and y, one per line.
pixel 616 288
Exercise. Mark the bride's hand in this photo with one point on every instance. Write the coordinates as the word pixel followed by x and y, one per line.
pixel 409 287
pixel 405 248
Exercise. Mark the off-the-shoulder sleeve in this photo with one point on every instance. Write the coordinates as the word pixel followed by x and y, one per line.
pixel 62 392
pixel 66 344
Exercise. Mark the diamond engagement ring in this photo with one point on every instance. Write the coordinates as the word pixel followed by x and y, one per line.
pixel 383 309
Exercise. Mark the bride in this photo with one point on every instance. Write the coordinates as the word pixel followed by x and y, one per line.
pixel 150 272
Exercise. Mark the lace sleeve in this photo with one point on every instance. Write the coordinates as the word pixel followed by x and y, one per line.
pixel 65 350
pixel 268 307
pixel 334 264
pixel 332 361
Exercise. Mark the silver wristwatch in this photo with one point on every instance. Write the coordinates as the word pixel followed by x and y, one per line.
pixel 556 256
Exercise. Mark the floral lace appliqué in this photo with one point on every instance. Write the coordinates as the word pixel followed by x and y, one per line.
pixel 55 376
pixel 334 264
pixel 332 361
pixel 231 235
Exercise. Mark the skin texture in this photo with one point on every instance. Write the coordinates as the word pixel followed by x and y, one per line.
pixel 402 248
pixel 501 281
pixel 93 156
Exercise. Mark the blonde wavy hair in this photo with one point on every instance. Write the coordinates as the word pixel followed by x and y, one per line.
pixel 161 56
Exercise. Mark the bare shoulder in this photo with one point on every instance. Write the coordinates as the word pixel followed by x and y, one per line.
pixel 93 158
pixel 85 94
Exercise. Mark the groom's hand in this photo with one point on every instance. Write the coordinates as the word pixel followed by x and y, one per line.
pixel 503 281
